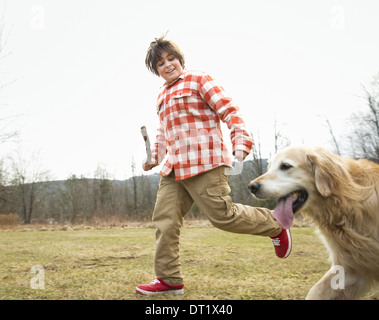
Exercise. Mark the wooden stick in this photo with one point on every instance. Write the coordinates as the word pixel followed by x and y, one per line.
pixel 147 143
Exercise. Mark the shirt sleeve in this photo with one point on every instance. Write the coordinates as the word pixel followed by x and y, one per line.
pixel 159 150
pixel 228 112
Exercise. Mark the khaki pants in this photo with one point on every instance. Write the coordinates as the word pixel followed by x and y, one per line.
pixel 210 191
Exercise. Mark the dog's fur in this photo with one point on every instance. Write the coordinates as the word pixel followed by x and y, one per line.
pixel 343 201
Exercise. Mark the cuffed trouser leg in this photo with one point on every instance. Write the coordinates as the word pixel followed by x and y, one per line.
pixel 210 191
pixel 172 203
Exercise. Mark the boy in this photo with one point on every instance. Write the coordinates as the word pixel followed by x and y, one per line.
pixel 190 107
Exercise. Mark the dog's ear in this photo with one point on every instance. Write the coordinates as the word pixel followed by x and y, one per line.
pixel 332 177
pixel 322 183
pixel 322 177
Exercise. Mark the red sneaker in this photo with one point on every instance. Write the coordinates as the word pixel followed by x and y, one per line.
pixel 158 286
pixel 283 243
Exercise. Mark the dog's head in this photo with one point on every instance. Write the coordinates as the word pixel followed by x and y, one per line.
pixel 299 177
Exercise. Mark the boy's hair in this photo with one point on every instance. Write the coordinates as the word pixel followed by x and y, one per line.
pixel 155 50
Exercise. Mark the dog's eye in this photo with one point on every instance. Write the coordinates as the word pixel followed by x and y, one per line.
pixel 285 166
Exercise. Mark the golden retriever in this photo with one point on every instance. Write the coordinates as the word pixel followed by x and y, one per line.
pixel 340 195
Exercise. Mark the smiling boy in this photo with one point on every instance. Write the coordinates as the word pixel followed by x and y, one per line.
pixel 190 107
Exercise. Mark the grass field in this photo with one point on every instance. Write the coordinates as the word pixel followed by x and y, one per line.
pixel 108 263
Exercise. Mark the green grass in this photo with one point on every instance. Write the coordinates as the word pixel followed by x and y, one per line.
pixel 109 263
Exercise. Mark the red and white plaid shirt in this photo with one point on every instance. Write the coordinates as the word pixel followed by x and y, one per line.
pixel 190 110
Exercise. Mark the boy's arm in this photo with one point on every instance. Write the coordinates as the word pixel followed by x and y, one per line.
pixel 228 112
pixel 159 150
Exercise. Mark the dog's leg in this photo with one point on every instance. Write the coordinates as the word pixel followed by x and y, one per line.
pixel 338 284
pixel 322 289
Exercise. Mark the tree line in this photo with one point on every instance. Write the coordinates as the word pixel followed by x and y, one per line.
pixel 81 200
pixel 78 199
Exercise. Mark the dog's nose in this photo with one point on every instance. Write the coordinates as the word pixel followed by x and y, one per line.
pixel 254 187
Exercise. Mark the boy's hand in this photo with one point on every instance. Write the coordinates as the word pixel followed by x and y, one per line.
pixel 147 166
pixel 240 155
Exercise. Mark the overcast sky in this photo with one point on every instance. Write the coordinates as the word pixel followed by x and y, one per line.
pixel 81 90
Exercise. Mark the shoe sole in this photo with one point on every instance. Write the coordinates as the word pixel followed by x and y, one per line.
pixel 148 293
pixel 289 244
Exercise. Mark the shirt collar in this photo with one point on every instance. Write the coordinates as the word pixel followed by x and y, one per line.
pixel 176 80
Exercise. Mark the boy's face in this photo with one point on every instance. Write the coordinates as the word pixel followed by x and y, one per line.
pixel 169 67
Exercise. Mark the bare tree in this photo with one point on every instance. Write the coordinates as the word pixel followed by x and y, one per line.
pixel 73 195
pixel 280 141
pixel 103 192
pixel 27 175
pixel 133 165
pixel 331 132
pixel 257 155
pixel 6 134
pixel 364 137
pixel 3 183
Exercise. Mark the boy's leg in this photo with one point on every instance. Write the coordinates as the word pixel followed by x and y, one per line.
pixel 210 191
pixel 172 203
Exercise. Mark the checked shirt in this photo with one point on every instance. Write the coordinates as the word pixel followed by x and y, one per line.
pixel 190 110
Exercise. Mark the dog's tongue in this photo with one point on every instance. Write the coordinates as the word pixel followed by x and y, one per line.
pixel 283 212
